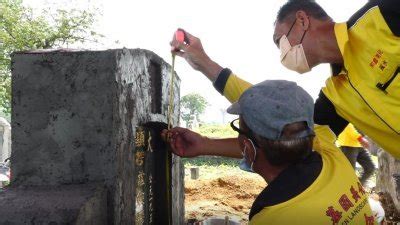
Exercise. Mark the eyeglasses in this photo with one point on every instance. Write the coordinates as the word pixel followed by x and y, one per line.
pixel 235 127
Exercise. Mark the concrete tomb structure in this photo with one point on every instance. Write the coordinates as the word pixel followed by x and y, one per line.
pixel 86 140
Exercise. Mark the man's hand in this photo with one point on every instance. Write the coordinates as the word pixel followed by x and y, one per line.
pixel 195 55
pixel 364 142
pixel 184 142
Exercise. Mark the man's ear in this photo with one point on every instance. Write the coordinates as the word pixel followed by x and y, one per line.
pixel 303 19
pixel 250 151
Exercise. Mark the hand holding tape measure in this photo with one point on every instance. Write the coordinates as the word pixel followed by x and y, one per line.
pixel 190 48
pixel 182 38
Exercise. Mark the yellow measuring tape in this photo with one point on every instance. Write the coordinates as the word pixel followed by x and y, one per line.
pixel 170 114
pixel 171 93
pixel 180 36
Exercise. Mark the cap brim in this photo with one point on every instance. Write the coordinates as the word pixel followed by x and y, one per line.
pixel 234 109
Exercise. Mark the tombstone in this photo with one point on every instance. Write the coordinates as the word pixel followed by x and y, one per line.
pixel 86 140
pixel 194 173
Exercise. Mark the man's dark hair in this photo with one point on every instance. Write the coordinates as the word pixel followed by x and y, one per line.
pixel 288 151
pixel 309 6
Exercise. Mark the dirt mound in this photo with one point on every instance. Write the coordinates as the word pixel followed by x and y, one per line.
pixel 228 195
pixel 392 215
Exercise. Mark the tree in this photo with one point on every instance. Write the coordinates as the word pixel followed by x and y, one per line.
pixel 21 29
pixel 193 105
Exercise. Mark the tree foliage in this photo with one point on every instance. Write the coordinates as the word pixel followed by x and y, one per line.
pixel 21 29
pixel 193 105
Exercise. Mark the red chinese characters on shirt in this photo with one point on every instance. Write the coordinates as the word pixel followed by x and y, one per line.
pixel 376 58
pixel 334 214
pixel 361 188
pixel 355 194
pixel 346 204
pixel 369 220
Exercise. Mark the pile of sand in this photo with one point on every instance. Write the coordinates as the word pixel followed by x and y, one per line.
pixel 222 195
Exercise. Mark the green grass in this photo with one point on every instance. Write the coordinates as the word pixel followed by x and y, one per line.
pixel 217 131
pixel 213 131
pixel 210 161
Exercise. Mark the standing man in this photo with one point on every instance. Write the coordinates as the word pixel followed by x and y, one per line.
pixel 276 136
pixel 351 143
pixel 364 54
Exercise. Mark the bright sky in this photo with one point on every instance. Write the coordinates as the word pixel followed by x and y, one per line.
pixel 236 34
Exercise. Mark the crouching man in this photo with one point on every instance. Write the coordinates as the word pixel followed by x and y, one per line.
pixel 310 181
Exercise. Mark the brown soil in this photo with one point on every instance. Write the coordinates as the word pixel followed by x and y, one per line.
pixel 391 214
pixel 220 196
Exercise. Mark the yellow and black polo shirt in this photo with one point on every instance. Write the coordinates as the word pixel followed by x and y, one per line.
pixel 334 196
pixel 366 89
pixel 321 189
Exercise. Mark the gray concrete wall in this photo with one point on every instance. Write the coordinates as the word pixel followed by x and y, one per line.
pixel 74 117
pixel 66 204
pixel 62 118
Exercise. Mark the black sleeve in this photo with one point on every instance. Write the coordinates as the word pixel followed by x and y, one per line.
pixel 354 18
pixel 221 80
pixel 393 5
pixel 325 114
pixel 390 10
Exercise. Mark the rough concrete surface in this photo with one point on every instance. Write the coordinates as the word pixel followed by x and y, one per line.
pixel 67 204
pixel 388 178
pixel 74 117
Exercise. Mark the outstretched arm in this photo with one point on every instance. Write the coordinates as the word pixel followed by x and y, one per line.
pixel 224 80
pixel 187 143
pixel 195 55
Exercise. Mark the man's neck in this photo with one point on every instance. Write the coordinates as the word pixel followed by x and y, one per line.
pixel 328 48
pixel 269 172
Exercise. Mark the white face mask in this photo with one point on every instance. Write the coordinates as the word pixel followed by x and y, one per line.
pixel 243 164
pixel 293 57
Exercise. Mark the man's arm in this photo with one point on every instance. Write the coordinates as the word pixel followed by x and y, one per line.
pixel 230 86
pixel 325 114
pixel 228 147
pixel 187 143
pixel 224 80
pixel 195 55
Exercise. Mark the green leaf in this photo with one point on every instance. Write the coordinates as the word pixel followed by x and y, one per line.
pixel 21 29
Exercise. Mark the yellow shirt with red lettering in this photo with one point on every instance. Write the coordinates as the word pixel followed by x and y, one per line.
pixel 335 197
pixel 367 90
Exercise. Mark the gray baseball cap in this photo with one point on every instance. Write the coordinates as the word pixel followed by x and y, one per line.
pixel 270 105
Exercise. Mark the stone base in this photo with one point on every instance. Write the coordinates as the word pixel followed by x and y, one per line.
pixel 66 204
